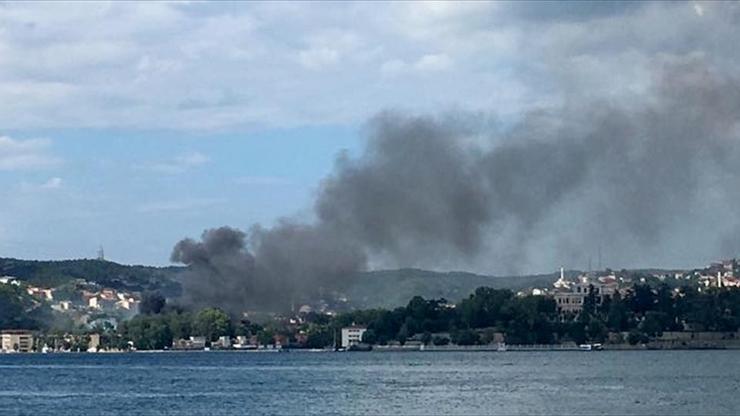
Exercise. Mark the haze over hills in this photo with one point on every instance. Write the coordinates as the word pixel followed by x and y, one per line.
pixel 391 288
pixel 369 289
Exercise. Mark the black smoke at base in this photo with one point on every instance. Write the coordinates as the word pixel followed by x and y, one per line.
pixel 291 263
pixel 642 179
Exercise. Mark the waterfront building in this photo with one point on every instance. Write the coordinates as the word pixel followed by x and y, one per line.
pixel 94 344
pixel 192 343
pixel 18 340
pixel 570 295
pixel 224 342
pixel 352 335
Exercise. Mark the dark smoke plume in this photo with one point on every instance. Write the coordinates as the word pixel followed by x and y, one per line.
pixel 649 181
pixel 291 263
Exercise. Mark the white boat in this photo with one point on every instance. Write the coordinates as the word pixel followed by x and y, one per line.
pixel 591 347
pixel 501 347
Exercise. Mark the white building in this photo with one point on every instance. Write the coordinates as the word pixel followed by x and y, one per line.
pixel 130 304
pixel 62 306
pixel 224 342
pixel 17 340
pixel 9 280
pixel 94 344
pixel 570 295
pixel 352 335
pixel 40 292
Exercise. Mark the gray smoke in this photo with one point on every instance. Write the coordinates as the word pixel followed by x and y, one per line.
pixel 291 263
pixel 649 181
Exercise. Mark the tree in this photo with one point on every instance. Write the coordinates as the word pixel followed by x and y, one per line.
pixel 636 337
pixel 369 337
pixel 641 299
pixel 577 332
pixel 11 308
pixel 484 307
pixel 589 302
pixel 212 323
pixel 403 334
pixel 465 337
pixel 148 332
pixel 618 317
pixel 438 340
pixel 320 337
pixel 653 323
pixel 14 304
pixel 181 324
pixel 596 330
pixel 267 337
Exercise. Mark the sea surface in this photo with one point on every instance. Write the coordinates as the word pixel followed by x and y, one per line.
pixel 395 383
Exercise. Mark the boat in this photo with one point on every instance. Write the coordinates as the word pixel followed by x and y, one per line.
pixel 591 347
pixel 501 347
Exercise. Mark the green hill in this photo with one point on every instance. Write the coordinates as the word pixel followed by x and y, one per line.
pixel 391 288
pixel 381 288
pixel 104 273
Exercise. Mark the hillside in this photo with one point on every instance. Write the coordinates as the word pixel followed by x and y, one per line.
pixel 391 288
pixel 372 289
pixel 104 273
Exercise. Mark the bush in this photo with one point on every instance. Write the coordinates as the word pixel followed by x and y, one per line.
pixel 437 340
pixel 466 337
pixel 636 337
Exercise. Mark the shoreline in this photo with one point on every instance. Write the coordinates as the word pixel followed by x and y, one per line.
pixel 476 348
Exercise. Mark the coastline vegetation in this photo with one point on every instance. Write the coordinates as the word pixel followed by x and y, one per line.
pixel 644 313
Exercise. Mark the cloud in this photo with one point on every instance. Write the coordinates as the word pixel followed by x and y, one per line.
pixel 52 183
pixel 318 58
pixel 178 164
pixel 427 63
pixel 257 65
pixel 178 205
pixel 192 159
pixel 698 9
pixel 393 67
pixel 262 181
pixel 433 62
pixel 17 155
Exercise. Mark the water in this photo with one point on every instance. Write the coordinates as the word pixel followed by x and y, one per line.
pixel 206 383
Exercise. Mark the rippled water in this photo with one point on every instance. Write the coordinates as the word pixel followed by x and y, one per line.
pixel 608 382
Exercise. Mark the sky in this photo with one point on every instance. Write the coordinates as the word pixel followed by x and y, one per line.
pixel 131 125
